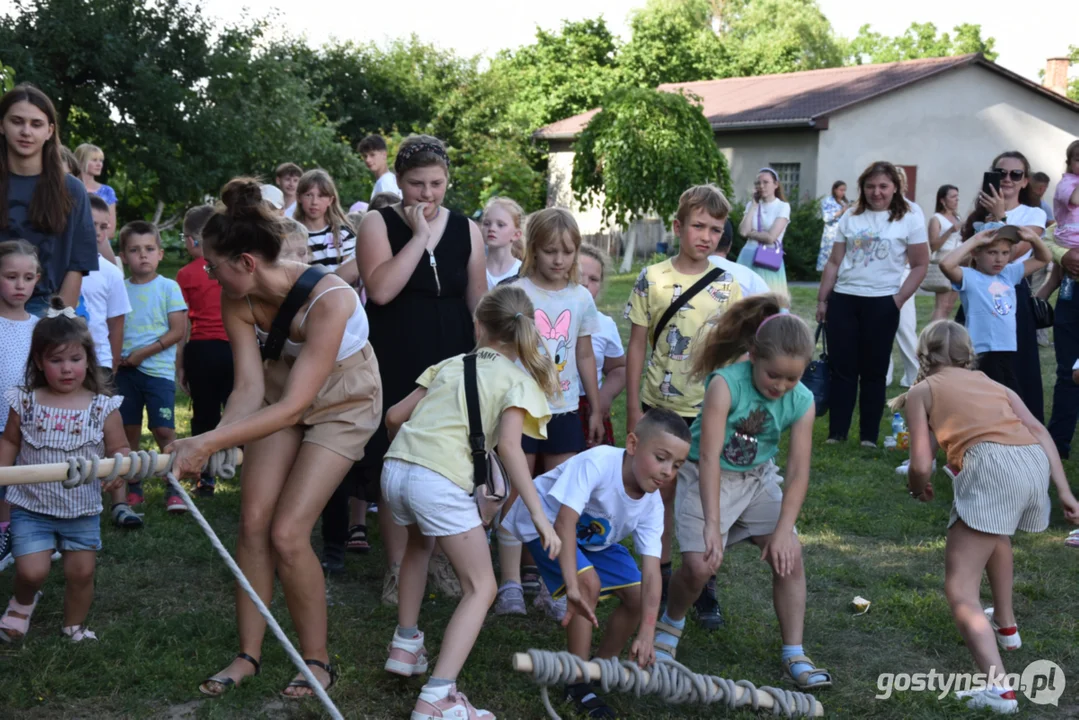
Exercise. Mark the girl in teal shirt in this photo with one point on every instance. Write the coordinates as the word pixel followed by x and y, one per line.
pixel 729 490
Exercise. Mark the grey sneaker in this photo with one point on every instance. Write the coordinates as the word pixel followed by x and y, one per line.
pixel 554 609
pixel 510 600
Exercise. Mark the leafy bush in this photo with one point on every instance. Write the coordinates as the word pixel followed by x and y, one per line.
pixel 801 243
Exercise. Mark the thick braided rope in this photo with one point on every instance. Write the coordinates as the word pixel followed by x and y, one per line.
pixel 221 464
pixel 669 680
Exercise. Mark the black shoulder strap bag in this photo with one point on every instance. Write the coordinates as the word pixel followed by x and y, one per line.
pixel 488 475
pixel 681 300
pixel 297 296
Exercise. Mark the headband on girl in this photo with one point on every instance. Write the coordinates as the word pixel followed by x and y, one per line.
pixel 68 312
pixel 782 311
pixel 409 150
pixel 770 171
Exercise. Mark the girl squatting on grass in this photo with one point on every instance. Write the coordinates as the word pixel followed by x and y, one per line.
pixel 1002 459
pixel 427 482
pixel 63 410
pixel 729 490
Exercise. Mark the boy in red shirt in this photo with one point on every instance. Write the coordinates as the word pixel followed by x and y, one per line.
pixel 205 368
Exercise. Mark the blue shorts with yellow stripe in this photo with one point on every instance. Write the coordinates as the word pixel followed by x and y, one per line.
pixel 614 564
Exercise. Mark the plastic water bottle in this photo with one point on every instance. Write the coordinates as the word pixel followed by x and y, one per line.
pixel 899 429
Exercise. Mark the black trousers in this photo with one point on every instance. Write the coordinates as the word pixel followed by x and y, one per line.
pixel 363 481
pixel 208 368
pixel 1000 367
pixel 861 331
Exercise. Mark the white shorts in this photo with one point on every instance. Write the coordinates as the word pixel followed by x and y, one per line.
pixel 419 496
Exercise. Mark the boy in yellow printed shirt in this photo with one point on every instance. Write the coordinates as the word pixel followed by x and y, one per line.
pixel 702 214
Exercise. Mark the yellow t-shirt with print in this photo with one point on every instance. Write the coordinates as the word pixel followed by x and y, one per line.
pixel 667 382
pixel 436 436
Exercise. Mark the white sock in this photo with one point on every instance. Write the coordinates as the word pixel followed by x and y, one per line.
pixel 435 690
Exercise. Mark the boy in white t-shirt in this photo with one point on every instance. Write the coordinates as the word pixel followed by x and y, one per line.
pixel 373 151
pixel 104 298
pixel 595 500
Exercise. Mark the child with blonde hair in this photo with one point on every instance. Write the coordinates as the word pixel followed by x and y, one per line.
pixel 331 240
pixel 729 491
pixel 428 483
pixel 501 227
pixel 606 344
pixel 566 317
pixel 1002 460
pixel 294 243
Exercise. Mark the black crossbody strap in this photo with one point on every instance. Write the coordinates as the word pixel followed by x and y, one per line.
pixel 477 443
pixel 297 296
pixel 681 300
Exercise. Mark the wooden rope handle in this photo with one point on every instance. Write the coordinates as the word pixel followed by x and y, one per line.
pixel 522 662
pixel 56 472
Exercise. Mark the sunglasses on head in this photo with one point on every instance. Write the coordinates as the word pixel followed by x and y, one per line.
pixel 1015 175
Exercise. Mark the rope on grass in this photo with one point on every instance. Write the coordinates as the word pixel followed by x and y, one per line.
pixel 667 679
pixel 221 464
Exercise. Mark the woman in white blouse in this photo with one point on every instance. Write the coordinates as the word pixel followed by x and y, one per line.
pixel 766 219
pixel 861 292
pixel 945 230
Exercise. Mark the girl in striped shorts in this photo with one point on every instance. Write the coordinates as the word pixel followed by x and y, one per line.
pixel 1001 460
pixel 64 410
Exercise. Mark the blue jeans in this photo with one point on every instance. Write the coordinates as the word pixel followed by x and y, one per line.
pixel 1065 392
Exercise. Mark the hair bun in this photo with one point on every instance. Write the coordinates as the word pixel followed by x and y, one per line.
pixel 242 196
pixel 57 303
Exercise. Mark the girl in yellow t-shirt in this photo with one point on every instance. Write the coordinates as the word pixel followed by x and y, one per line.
pixel 427 482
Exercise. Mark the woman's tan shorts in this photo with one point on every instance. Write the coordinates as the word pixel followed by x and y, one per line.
pixel 348 408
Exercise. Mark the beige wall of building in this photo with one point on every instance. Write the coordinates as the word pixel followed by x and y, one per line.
pixel 747 151
pixel 950 127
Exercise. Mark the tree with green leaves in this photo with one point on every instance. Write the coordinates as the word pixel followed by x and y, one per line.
pixel 641 151
pixel 920 40
pixel 178 105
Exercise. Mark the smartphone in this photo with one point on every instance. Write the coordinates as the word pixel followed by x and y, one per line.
pixel 991 179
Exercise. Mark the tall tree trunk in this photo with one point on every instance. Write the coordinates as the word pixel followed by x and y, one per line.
pixel 630 247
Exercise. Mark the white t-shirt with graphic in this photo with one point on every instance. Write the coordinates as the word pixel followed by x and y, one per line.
pixel 562 318
pixel 876 257
pixel 591 484
pixel 607 343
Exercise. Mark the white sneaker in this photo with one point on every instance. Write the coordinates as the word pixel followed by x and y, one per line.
pixel 904 468
pixel 978 699
pixel 1007 638
pixel 407 657
pixel 455 706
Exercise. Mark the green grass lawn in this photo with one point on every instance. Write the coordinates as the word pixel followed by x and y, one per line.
pixel 164 611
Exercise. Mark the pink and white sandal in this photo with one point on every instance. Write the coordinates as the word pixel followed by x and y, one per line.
pixel 12 628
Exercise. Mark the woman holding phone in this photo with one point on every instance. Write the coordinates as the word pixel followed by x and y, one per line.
pixel 1005 199
pixel 766 219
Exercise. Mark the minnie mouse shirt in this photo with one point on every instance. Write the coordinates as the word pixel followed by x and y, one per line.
pixel 562 318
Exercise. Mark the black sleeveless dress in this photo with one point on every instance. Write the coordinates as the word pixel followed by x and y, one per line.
pixel 427 322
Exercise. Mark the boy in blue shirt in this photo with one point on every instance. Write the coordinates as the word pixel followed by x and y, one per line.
pixel 987 292
pixel 146 375
pixel 595 500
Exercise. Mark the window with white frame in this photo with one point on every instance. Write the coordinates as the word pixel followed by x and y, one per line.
pixel 790 176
